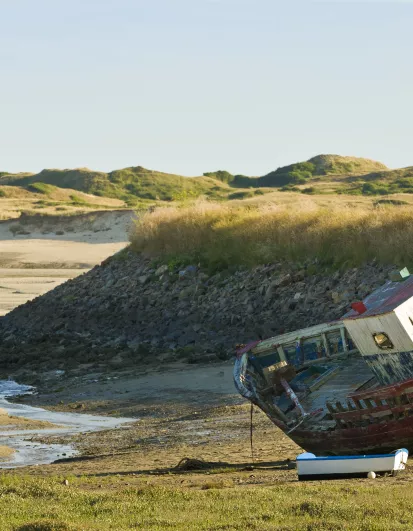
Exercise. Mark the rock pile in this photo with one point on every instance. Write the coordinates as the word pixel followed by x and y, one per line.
pixel 126 310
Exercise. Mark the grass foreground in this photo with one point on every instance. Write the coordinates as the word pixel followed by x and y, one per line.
pixel 46 504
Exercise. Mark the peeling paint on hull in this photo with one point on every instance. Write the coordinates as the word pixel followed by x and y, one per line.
pixel 391 367
pixel 373 439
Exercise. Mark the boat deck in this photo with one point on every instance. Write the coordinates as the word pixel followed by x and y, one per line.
pixel 352 373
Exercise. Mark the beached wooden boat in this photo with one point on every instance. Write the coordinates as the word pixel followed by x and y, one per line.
pixel 311 467
pixel 344 387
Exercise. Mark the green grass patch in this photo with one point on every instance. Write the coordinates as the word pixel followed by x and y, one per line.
pixel 28 503
pixel 41 188
pixel 79 201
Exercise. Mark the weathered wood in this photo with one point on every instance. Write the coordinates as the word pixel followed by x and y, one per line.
pixel 292 337
pixel 344 339
pixel 341 355
pixel 397 400
pixel 281 352
pixel 339 406
pixel 363 330
pixel 326 347
pixel 369 403
pixel 358 404
pixel 350 406
pixel 386 391
pixel 378 412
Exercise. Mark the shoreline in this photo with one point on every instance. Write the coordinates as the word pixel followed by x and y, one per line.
pixel 36 436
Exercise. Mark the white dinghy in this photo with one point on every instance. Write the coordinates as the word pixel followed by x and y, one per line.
pixel 310 467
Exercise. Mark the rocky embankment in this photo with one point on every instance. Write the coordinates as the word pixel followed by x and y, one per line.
pixel 126 311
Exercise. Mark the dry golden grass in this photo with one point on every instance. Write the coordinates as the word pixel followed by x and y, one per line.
pixel 14 200
pixel 6 453
pixel 22 423
pixel 218 235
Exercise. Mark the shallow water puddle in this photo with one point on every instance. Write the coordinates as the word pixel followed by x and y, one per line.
pixel 28 452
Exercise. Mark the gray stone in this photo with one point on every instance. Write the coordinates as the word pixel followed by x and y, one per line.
pixel 161 270
pixel 283 280
pixel 117 361
pixel 188 291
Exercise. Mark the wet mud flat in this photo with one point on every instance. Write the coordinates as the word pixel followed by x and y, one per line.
pixel 181 411
pixel 24 430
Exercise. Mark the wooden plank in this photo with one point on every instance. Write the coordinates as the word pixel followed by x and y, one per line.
pixel 292 337
pixel 339 406
pixel 358 404
pixel 385 392
pixel 377 412
pixel 351 406
pixel 281 352
pixel 363 329
pixel 369 403
pixel 342 355
pixel 326 347
pixel 344 339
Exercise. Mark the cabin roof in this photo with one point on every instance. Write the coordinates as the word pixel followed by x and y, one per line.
pixel 385 299
pixel 291 337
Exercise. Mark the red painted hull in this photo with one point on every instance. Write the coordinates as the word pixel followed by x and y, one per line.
pixel 383 426
pixel 371 439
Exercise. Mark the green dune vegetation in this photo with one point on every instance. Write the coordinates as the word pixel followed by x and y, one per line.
pixel 251 215
pixel 323 174
pixel 128 184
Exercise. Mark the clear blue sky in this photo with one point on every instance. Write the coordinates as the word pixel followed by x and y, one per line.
pixel 188 86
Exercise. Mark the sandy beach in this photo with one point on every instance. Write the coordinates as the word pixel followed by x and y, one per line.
pixel 50 252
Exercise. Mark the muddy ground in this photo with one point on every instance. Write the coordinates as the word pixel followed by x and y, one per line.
pixel 181 411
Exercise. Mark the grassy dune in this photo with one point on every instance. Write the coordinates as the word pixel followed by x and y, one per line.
pixel 46 199
pixel 219 236
pixel 54 190
pixel 34 504
pixel 128 184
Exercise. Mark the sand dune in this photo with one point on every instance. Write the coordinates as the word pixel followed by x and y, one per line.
pixel 48 252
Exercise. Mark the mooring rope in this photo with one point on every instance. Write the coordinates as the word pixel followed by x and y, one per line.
pixel 251 430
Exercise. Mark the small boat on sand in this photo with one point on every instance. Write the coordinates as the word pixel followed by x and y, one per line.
pixel 310 467
pixel 340 388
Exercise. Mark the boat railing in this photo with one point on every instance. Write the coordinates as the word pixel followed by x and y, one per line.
pixel 392 402
pixel 306 347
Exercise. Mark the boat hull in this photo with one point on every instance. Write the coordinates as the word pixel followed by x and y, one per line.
pixel 375 421
pixel 371 439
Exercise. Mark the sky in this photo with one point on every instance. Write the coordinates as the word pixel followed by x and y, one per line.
pixel 190 86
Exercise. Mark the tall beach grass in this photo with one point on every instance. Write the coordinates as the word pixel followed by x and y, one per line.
pixel 219 236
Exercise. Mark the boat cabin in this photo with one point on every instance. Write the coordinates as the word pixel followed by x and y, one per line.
pixel 306 346
pixel 382 329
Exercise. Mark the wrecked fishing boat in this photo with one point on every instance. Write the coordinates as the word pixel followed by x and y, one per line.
pixel 344 387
